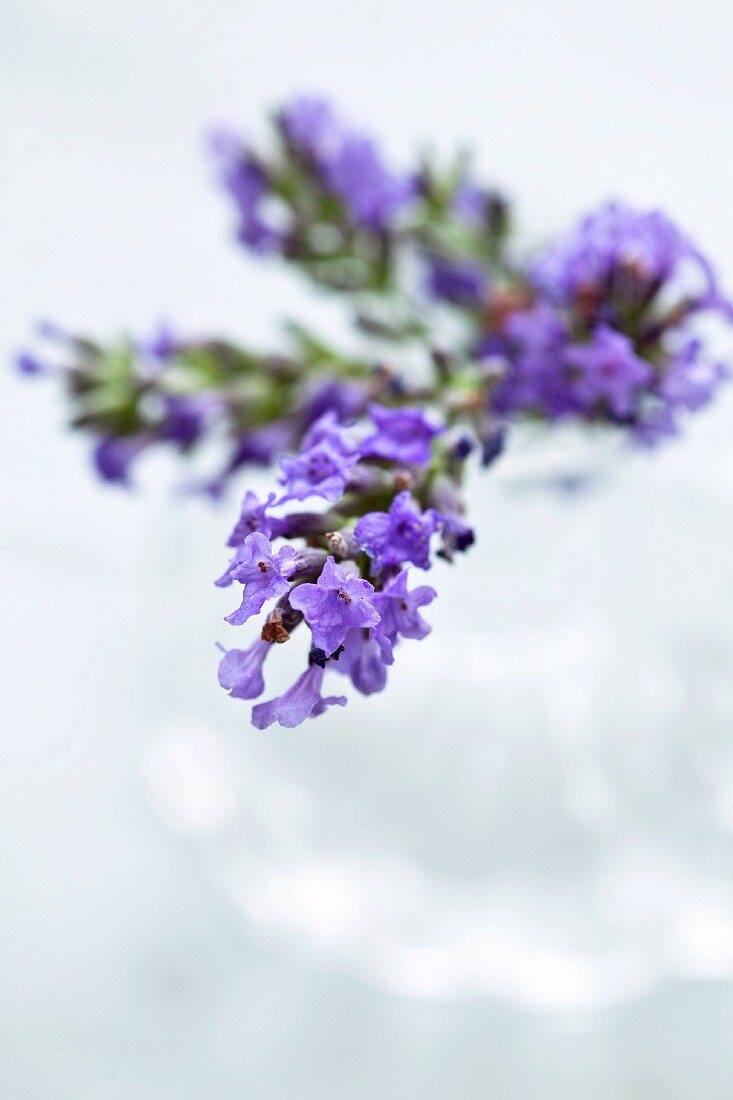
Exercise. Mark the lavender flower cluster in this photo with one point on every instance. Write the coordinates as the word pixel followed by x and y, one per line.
pixel 607 334
pixel 325 199
pixel 601 327
pixel 348 576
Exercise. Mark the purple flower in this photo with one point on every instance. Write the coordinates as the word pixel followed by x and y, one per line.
pixel 321 471
pixel 478 207
pixel 114 455
pixel 400 610
pixel 470 202
pixel 51 330
pixel 240 670
pixel 335 604
pixel 345 398
pixel 245 180
pixel 689 381
pixel 184 418
pixel 163 345
pixel 260 571
pixel 535 378
pixel 303 700
pixel 622 254
pixel 347 163
pixel 457 535
pixel 329 429
pixel 455 532
pixel 462 282
pixel 368 652
pixel 253 517
pixel 609 371
pixel 400 535
pixel 309 123
pixel 655 425
pixel 30 364
pixel 536 330
pixel 363 659
pixel 403 435
pixel 260 446
pixel 371 193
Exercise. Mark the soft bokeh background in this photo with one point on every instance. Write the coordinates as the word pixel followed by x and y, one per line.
pixel 554 769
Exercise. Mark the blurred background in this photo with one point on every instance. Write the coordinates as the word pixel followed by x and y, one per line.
pixel 509 875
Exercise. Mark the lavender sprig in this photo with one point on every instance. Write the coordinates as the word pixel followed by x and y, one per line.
pixel 343 572
pixel 601 327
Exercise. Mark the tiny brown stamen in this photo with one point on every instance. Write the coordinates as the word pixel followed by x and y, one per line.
pixel 262 566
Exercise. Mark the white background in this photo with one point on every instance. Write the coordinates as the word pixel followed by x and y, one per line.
pixel 124 974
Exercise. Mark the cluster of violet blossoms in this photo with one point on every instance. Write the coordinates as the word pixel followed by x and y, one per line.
pixel 462 336
pixel 599 328
pixel 348 577
pixel 345 163
pixel 607 332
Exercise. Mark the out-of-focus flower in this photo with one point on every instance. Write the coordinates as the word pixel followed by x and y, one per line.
pixel 113 456
pixel 310 124
pixel 456 534
pixel 347 163
pixel 357 174
pixel 691 379
pixel 245 180
pixel 608 370
pixel 184 417
pixel 461 282
pixel 403 434
pixel 619 257
pixel 30 364
pixel 253 517
pixel 534 377
pixel 162 345
pixel 344 398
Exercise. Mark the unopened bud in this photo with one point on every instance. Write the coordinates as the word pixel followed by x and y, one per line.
pixel 504 302
pixel 337 544
pixel 403 479
pixel 273 630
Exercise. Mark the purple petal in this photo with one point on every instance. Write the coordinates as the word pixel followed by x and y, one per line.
pixel 240 670
pixel 302 700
